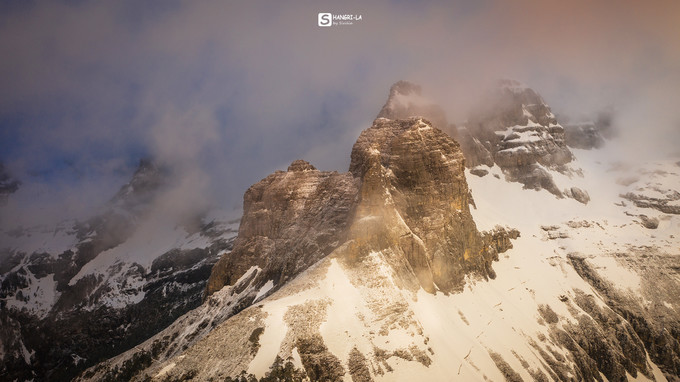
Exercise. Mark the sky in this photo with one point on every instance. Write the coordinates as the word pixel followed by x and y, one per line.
pixel 226 92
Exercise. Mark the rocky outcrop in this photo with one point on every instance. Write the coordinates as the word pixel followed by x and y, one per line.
pixel 666 203
pixel 406 191
pixel 577 194
pixel 290 221
pixel 515 129
pixel 415 202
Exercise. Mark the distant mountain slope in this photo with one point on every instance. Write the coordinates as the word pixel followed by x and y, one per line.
pixel 79 292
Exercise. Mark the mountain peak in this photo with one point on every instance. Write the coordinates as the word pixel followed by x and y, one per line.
pixel 405 100
pixel 515 129
pixel 143 186
pixel 300 165
pixel 405 88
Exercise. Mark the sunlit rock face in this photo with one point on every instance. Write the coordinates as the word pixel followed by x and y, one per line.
pixel 406 192
pixel 415 202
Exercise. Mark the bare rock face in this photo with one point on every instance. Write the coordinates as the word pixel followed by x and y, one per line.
pixel 577 194
pixel 405 194
pixel 515 129
pixel 290 221
pixel 301 165
pixel 415 205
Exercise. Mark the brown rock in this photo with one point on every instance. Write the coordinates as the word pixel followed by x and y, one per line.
pixel 405 194
pixel 290 221
pixel 414 202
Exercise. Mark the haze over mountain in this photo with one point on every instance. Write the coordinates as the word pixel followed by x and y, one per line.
pixel 553 190
pixel 92 87
pixel 381 273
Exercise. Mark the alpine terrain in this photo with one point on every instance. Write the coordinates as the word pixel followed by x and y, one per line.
pixel 82 291
pixel 507 247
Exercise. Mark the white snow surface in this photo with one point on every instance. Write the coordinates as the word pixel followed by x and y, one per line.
pixel 40 294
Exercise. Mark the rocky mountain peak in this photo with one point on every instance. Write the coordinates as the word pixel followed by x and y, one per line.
pixel 515 129
pixel 405 196
pixel 414 205
pixel 405 100
pixel 144 185
pixel 511 103
pixel 301 165
pixel 288 224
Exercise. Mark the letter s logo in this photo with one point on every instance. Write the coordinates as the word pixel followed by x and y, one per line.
pixel 325 19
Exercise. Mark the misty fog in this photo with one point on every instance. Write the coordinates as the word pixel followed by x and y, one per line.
pixel 225 93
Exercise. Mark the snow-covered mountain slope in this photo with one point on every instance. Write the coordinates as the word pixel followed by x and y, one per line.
pixel 587 293
pixel 387 273
pixel 411 211
pixel 79 292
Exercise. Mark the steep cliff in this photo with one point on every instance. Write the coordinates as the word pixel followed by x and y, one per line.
pixel 415 202
pixel 290 221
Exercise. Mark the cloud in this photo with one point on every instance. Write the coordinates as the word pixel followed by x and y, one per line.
pixel 230 91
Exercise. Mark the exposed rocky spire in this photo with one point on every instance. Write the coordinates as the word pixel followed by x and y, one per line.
pixel 406 100
pixel 405 194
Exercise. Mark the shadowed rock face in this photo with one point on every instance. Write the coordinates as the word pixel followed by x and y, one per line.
pixel 290 221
